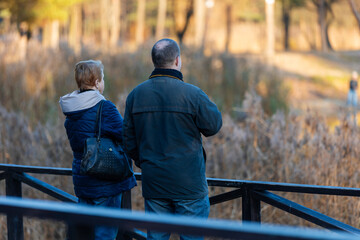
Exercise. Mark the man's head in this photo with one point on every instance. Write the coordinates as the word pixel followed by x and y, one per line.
pixel 354 75
pixel 166 54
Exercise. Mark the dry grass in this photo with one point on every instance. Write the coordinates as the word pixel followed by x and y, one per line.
pixel 288 148
pixel 283 147
pixel 33 82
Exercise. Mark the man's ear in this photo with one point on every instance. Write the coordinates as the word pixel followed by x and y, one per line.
pixel 177 61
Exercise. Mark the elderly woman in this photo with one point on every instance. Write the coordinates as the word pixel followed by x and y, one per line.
pixel 80 108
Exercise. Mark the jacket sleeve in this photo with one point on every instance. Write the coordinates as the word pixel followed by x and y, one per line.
pixel 112 122
pixel 130 145
pixel 208 118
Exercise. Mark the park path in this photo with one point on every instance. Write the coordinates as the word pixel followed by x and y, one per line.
pixel 318 81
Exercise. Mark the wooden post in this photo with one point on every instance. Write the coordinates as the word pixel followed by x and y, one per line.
pixel 250 206
pixel 14 221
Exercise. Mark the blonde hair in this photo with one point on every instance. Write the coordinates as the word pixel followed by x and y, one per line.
pixel 87 72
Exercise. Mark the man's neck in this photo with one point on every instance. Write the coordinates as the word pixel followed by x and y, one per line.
pixel 167 72
pixel 171 67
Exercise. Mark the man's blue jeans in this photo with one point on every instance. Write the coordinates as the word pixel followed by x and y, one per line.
pixel 104 232
pixel 195 208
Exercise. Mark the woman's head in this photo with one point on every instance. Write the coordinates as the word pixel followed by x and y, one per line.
pixel 89 75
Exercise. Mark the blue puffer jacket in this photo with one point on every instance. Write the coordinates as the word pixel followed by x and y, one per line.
pixel 80 110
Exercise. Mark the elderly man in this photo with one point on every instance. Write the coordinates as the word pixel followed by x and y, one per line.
pixel 163 123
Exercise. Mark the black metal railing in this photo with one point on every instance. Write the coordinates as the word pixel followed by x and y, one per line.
pixel 251 192
pixel 85 217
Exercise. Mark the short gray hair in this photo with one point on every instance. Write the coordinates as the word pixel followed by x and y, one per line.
pixel 164 53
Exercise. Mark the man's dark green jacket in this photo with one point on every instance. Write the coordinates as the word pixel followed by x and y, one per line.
pixel 163 123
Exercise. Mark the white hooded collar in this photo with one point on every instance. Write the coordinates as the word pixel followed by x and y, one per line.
pixel 77 101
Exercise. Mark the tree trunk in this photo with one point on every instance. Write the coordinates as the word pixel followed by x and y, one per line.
pixel 355 11
pixel 189 13
pixel 228 27
pixel 270 29
pixel 328 43
pixel 104 23
pixel 124 20
pixel 286 21
pixel 161 18
pixel 115 22
pixel 51 35
pixel 322 25
pixel 199 22
pixel 75 28
pixel 140 24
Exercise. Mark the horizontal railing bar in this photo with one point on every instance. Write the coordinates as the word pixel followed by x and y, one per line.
pixel 45 187
pixel 303 212
pixel 74 213
pixel 285 187
pixel 217 182
pixel 36 169
pixel 225 196
pixel 302 188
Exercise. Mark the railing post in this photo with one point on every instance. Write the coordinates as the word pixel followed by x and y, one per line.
pixel 78 231
pixel 125 204
pixel 250 206
pixel 14 221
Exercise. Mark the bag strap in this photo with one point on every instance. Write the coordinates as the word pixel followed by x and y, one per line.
pixel 98 120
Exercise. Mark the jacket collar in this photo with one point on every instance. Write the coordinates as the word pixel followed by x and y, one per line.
pixel 164 72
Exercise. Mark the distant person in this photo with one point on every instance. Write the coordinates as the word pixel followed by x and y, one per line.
pixel 163 122
pixel 80 108
pixel 352 95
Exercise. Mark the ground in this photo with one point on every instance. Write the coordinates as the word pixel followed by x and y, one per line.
pixel 318 81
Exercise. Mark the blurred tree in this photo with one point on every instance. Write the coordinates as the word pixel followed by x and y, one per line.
pixel 228 14
pixel 355 11
pixel 199 9
pixel 270 28
pixel 182 23
pixel 140 22
pixel 249 10
pixel 287 7
pixel 48 14
pixel 115 21
pixel 323 8
pixel 161 18
pixel 75 31
pixel 22 11
pixel 104 25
